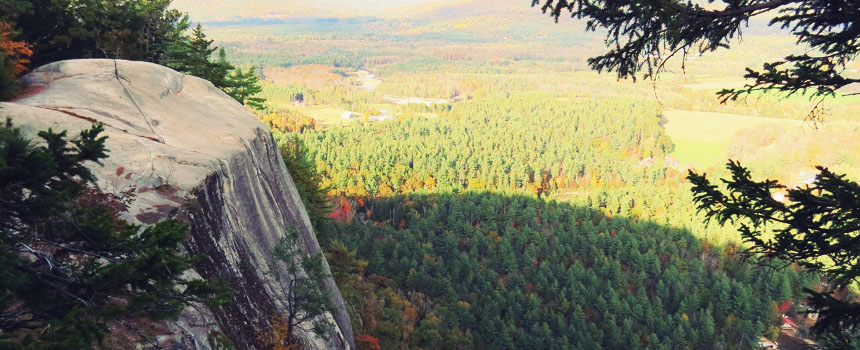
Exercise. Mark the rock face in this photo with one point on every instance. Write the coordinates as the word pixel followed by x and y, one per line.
pixel 187 148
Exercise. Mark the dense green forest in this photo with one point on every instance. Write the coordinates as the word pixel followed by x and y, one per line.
pixel 522 142
pixel 449 233
pixel 488 271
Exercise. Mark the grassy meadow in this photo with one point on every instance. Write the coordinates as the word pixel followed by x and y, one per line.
pixel 702 138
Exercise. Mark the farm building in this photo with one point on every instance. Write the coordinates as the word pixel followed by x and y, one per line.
pixel 789 326
pixel 671 162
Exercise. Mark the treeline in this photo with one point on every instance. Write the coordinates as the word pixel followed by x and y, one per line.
pixel 526 143
pixel 440 79
pixel 791 152
pixel 281 97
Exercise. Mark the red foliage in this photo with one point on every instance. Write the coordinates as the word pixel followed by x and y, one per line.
pixel 367 342
pixel 342 211
pixel 18 52
pixel 785 307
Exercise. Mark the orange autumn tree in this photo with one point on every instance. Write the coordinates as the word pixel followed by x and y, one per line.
pixel 367 342
pixel 14 57
pixel 16 52
pixel 280 337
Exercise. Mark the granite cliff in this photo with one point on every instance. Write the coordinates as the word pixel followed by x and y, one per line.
pixel 185 148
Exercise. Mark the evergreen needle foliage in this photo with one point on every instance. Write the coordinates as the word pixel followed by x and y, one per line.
pixel 244 86
pixel 305 176
pixel 816 228
pixel 192 55
pixel 643 35
pixel 45 31
pixel 305 299
pixel 68 263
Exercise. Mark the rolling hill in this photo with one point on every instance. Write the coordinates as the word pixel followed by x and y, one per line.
pixel 225 10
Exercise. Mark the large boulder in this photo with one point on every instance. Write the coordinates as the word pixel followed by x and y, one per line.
pixel 186 148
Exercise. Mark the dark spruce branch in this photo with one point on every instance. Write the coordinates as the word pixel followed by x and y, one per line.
pixel 818 228
pixel 68 262
pixel 643 35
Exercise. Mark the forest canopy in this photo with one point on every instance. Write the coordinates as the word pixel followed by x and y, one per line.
pixel 445 232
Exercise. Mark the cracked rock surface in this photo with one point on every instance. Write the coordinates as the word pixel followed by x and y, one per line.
pixel 185 146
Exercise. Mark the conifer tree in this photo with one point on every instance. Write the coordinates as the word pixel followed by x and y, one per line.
pixel 193 55
pixel 69 264
pixel 305 299
pixel 244 86
pixel 643 35
pixel 45 31
pixel 306 178
pixel 65 29
pixel 817 228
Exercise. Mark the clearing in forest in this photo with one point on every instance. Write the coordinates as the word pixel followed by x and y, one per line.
pixel 701 138
pixel 325 116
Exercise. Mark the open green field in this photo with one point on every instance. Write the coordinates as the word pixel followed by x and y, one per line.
pixel 701 138
pixel 699 154
pixel 325 116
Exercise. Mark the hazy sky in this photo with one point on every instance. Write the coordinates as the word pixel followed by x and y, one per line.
pixel 209 10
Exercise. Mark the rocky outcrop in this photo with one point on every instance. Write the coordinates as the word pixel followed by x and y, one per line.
pixel 187 148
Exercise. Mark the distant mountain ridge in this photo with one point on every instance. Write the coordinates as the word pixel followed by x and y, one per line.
pixel 474 19
pixel 228 10
pixel 514 19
